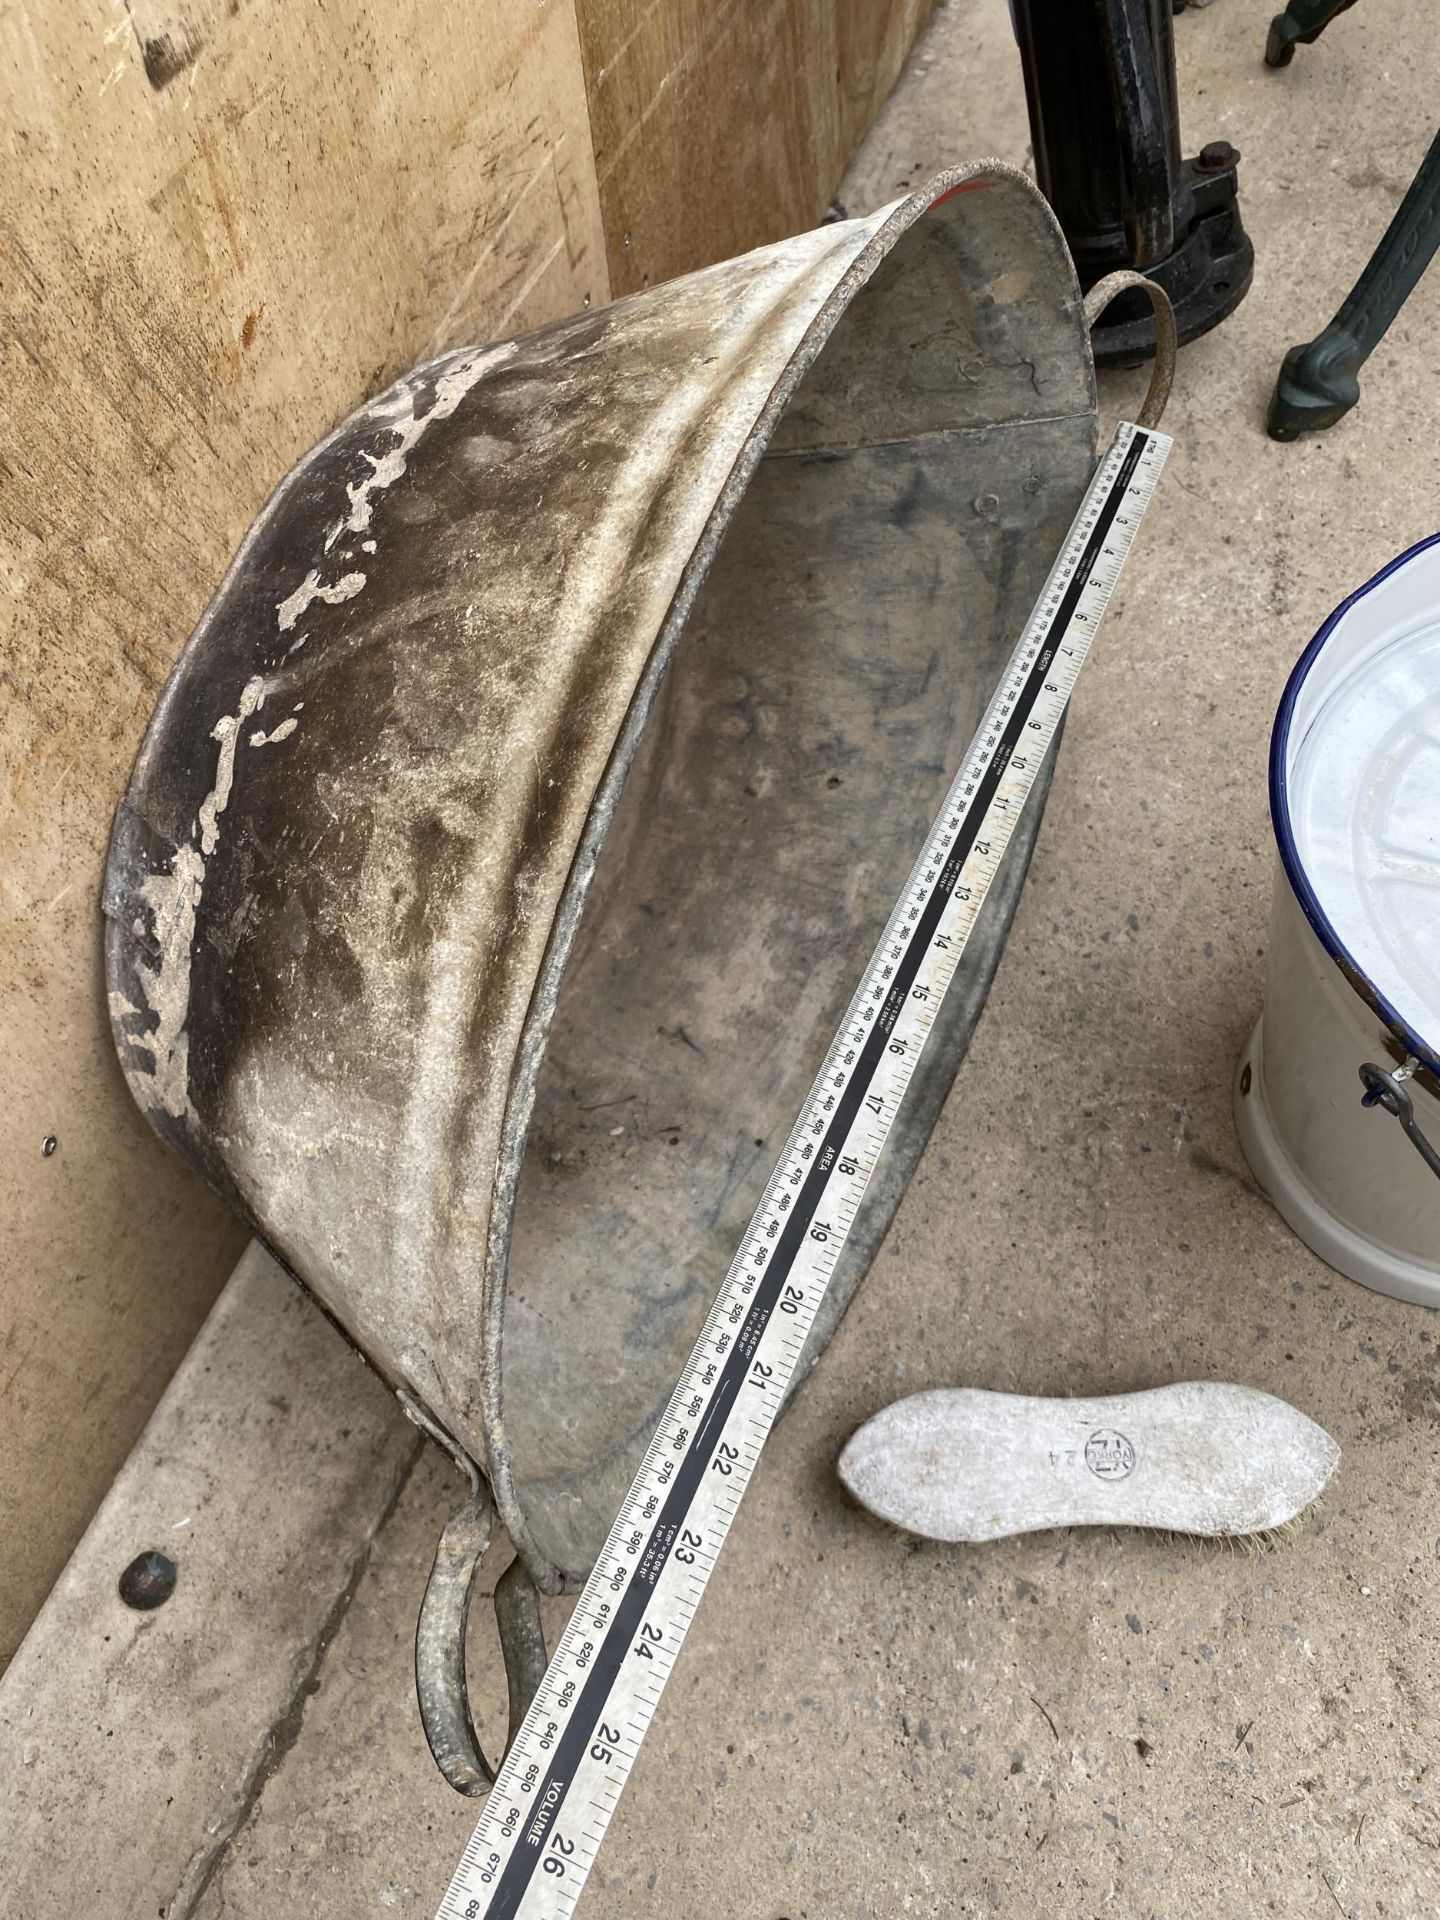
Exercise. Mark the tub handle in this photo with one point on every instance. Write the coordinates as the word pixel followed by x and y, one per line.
pixel 1162 374
pixel 1388 1090
pixel 440 1631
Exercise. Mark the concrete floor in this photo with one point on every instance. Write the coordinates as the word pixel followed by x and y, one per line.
pixel 1095 1723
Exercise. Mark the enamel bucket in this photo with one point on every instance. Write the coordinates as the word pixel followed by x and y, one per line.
pixel 510 835
pixel 1337 1099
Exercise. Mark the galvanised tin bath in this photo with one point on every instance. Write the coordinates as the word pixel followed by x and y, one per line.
pixel 571 710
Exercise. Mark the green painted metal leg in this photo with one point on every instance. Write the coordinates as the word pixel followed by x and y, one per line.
pixel 1320 381
pixel 1302 22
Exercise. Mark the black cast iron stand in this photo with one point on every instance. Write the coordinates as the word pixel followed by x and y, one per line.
pixel 1320 380
pixel 1100 85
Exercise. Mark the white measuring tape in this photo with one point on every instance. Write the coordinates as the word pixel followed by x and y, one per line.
pixel 551 1804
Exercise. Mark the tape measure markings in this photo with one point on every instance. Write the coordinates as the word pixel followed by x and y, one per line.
pixel 576 1745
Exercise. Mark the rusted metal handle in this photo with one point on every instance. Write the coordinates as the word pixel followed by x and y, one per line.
pixel 440 1683
pixel 1388 1090
pixel 1162 373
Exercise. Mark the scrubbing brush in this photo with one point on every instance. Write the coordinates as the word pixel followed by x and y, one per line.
pixel 1200 1457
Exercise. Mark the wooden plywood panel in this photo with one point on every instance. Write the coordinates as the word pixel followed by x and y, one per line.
pixel 222 224
pixel 721 124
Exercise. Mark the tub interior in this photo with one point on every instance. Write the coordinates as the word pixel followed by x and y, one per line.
pixel 838 658
pixel 1361 792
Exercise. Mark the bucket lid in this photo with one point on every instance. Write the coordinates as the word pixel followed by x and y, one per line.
pixel 1355 792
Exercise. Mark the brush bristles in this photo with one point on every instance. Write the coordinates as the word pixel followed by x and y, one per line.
pixel 1264 1540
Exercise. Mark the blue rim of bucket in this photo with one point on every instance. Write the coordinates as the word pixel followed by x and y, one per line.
pixel 1284 836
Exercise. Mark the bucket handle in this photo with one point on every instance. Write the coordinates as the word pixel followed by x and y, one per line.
pixel 440 1631
pixel 1162 373
pixel 1388 1090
